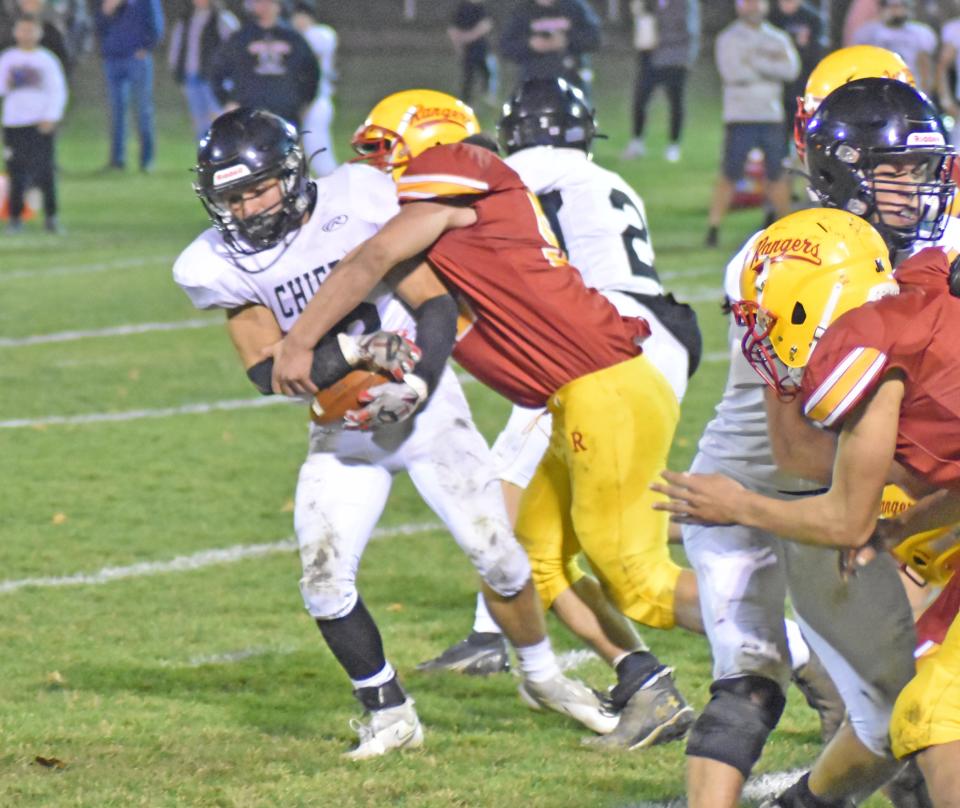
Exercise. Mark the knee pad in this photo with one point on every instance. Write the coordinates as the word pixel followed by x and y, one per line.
pixel 734 726
pixel 507 573
pixel 328 600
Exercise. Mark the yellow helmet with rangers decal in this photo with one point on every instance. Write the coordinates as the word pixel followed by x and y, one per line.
pixel 800 275
pixel 934 555
pixel 404 124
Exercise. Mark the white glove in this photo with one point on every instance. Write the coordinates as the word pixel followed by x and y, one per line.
pixel 387 404
pixel 388 351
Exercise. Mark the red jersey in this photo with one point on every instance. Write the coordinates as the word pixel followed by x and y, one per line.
pixel 529 325
pixel 918 332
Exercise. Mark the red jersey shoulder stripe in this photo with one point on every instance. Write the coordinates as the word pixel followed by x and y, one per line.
pixel 842 389
pixel 428 186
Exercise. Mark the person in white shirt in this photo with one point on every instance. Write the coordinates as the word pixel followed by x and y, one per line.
pixel 915 41
pixel 34 92
pixel 317 122
pixel 194 39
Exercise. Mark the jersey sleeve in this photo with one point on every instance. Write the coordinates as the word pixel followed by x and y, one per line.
pixel 451 171
pixel 373 194
pixel 928 269
pixel 208 280
pixel 847 364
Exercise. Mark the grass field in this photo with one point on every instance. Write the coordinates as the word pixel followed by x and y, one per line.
pixel 129 440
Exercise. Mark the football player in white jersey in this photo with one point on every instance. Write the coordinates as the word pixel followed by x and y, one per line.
pixel 860 628
pixel 276 236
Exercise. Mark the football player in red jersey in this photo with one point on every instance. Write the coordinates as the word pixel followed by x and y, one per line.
pixel 883 376
pixel 531 330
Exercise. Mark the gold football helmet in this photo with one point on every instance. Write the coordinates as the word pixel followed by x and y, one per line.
pixel 840 67
pixel 800 275
pixel 407 123
pixel 934 555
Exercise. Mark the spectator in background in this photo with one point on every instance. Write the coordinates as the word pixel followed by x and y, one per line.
pixel 948 71
pixel 552 39
pixel 469 31
pixel 128 31
pixel 34 94
pixel 194 38
pixel 322 39
pixel 52 38
pixel 667 59
pixel 266 65
pixel 805 27
pixel 895 30
pixel 755 60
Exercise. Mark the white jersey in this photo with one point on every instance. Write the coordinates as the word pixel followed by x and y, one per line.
pixel 599 219
pixel 352 204
pixel 736 439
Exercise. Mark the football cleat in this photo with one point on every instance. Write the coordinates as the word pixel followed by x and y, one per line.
pixel 570 697
pixel 480 654
pixel 391 728
pixel 813 681
pixel 656 713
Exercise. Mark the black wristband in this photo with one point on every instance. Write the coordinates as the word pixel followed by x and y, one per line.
pixel 436 331
pixel 328 366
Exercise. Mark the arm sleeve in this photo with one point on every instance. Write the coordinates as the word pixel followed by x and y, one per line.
pixel 155 26
pixel 586 32
pixel 436 321
pixel 328 367
pixel 778 69
pixel 57 96
pixel 733 67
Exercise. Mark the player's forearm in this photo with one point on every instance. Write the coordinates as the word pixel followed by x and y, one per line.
pixel 343 290
pixel 825 520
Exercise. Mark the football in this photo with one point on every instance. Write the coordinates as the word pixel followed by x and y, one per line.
pixel 332 402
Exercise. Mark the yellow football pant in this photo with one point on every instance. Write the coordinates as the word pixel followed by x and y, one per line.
pixel 927 711
pixel 591 492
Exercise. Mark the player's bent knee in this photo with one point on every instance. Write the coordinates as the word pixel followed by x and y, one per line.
pixel 508 573
pixel 734 726
pixel 328 600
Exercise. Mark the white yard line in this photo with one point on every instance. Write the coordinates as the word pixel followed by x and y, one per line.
pixel 195 561
pixel 135 415
pixel 110 331
pixel 82 269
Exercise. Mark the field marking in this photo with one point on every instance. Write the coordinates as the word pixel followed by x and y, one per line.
pixel 195 561
pixel 82 269
pixel 110 331
pixel 201 408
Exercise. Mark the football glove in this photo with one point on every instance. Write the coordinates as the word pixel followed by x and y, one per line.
pixel 387 404
pixel 388 351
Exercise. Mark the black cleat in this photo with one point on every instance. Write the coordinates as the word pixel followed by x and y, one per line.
pixel 480 654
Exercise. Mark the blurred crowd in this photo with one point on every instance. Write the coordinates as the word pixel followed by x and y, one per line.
pixel 280 55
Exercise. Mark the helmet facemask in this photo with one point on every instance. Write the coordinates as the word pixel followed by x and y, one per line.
pixel 758 349
pixel 266 228
pixel 380 148
pixel 904 193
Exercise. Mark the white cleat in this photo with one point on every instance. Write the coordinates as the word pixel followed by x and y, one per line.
pixel 672 153
pixel 570 697
pixel 393 728
pixel 635 148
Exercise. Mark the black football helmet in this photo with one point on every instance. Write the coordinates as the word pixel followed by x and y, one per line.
pixel 546 112
pixel 240 150
pixel 882 122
